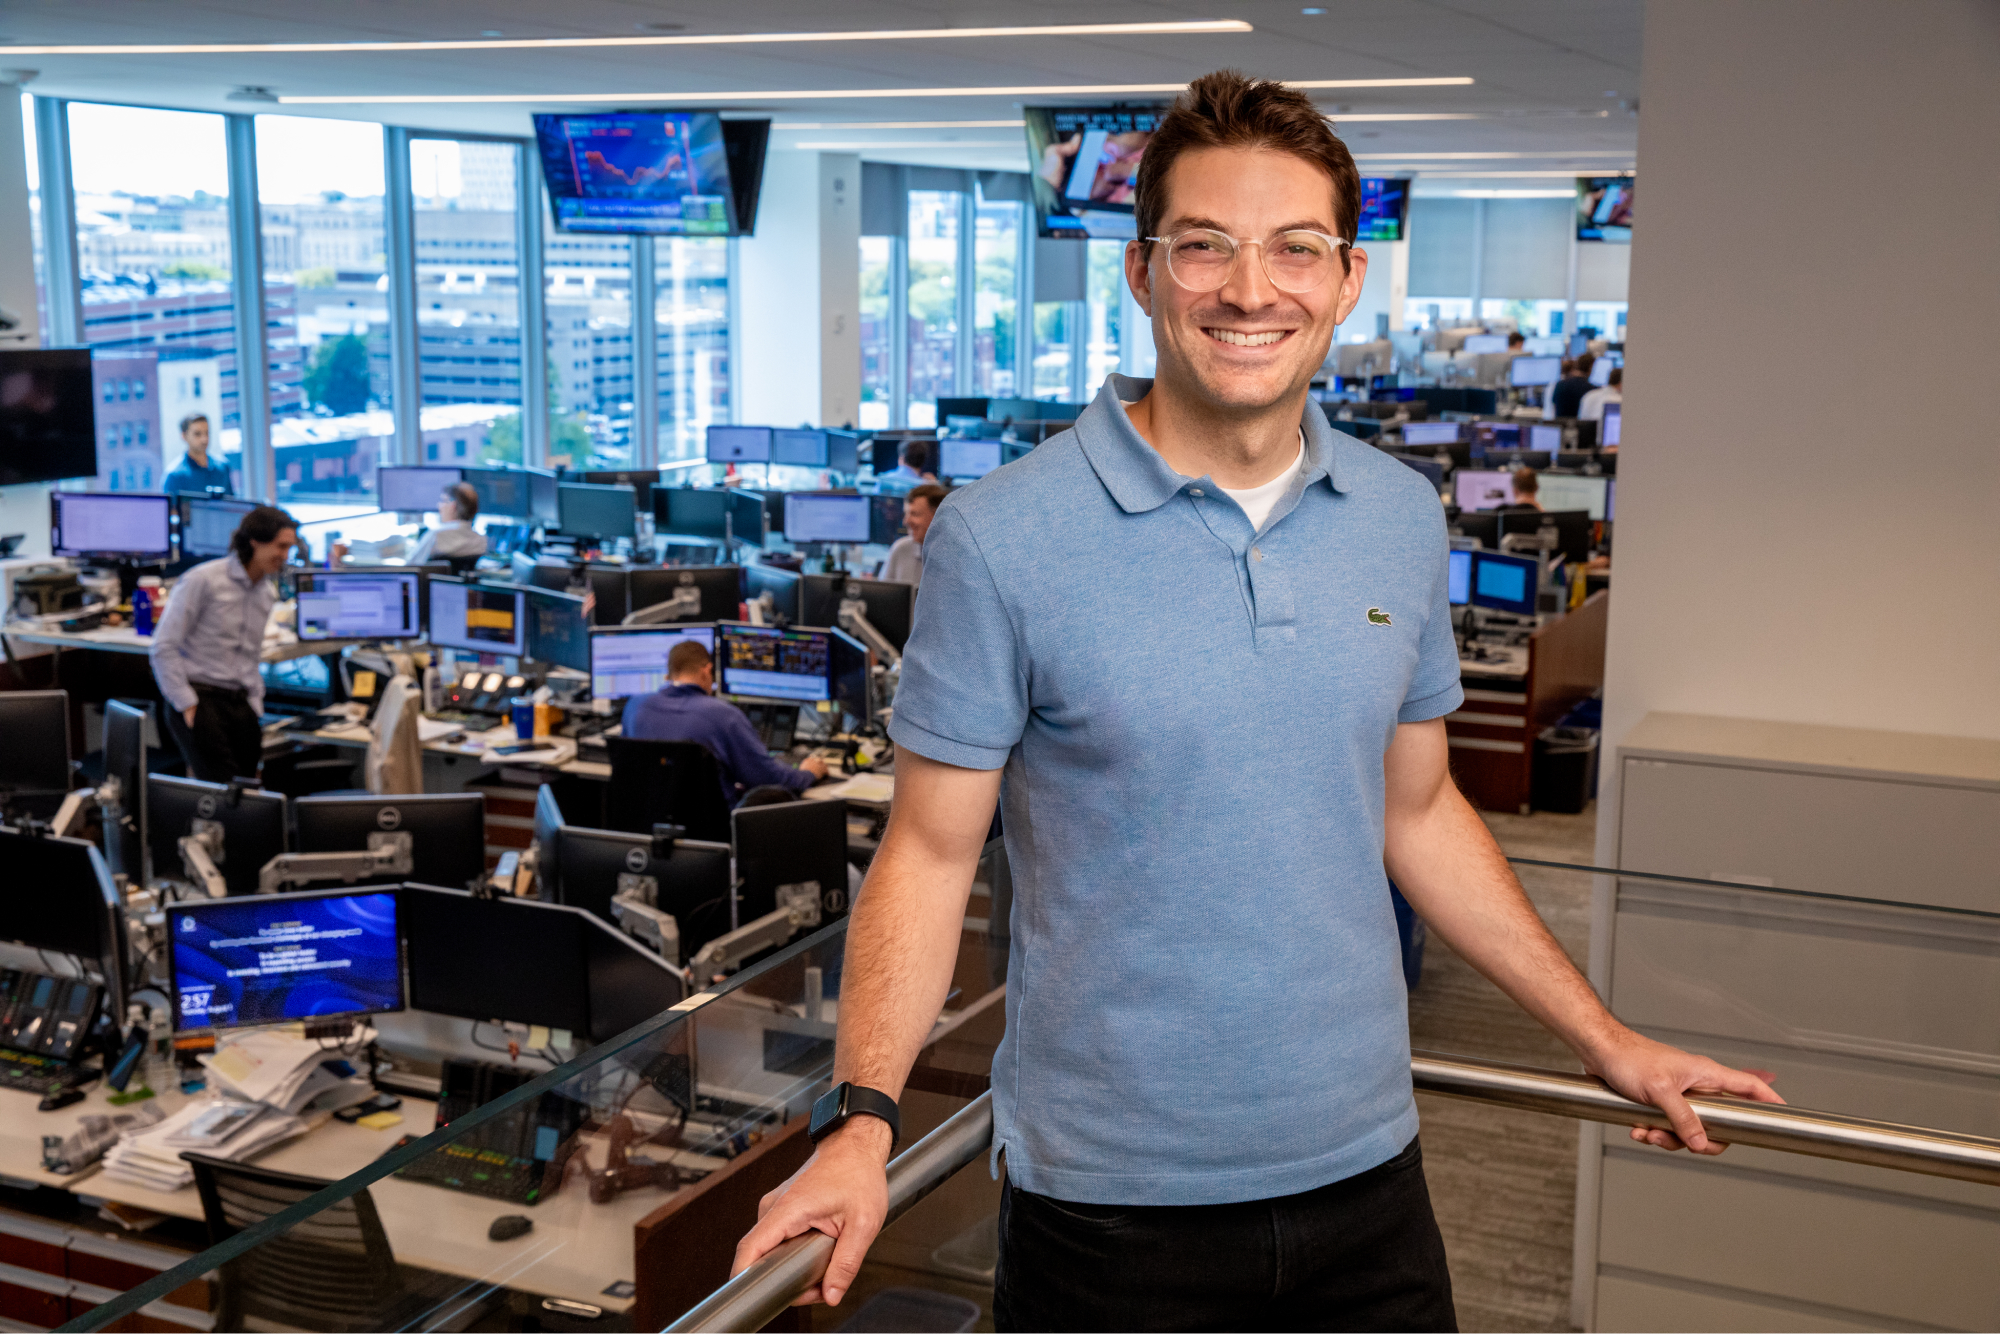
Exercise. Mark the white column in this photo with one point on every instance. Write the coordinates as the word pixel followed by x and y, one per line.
pixel 22 323
pixel 799 281
pixel 839 288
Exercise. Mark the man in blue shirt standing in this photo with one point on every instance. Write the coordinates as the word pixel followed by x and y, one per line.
pixel 686 709
pixel 195 474
pixel 1199 648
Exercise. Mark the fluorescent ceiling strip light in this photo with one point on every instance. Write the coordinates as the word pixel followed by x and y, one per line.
pixel 1516 175
pixel 831 94
pixel 852 145
pixel 1511 194
pixel 898 124
pixel 1572 152
pixel 1193 26
pixel 1348 118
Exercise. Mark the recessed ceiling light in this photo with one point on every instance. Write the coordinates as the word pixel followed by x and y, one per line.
pixel 491 32
pixel 1193 26
pixel 832 94
pixel 1313 10
pixel 897 124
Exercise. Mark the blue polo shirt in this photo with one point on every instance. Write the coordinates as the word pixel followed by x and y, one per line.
pixel 1205 1000
pixel 191 477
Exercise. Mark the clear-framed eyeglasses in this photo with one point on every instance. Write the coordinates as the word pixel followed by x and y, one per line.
pixel 1203 261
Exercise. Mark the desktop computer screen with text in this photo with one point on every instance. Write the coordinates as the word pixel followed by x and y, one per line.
pixel 270 959
pixel 1475 490
pixel 339 605
pixel 634 662
pixel 477 618
pixel 819 517
pixel 762 663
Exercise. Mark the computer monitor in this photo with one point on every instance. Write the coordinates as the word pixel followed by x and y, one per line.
pixel 692 882
pixel 1534 372
pixel 1458 577
pixel 1600 370
pixel 269 959
pixel 853 682
pixel 1474 489
pixel 890 607
pixel 1495 435
pixel 556 576
pixel 1432 433
pixel 597 512
pixel 252 824
pixel 822 516
pixel 1566 491
pixel 125 761
pixel 497 960
pixel 359 604
pixel 207 525
pixel 507 493
pixel 448 831
pixel 720 588
pixel 611 586
pixel 843 450
pixel 544 504
pixel 1503 582
pixel 413 490
pixel 1546 437
pixel 1517 458
pixel 548 821
pixel 1483 344
pixel 885 519
pixel 748 517
pixel 967 458
pixel 1572 528
pixel 781 585
pixel 739 444
pixel 691 513
pixel 801 447
pixel 57 896
pixel 1607 430
pixel 1482 527
pixel 1431 469
pixel 794 843
pixel 477 618
pixel 122 526
pixel 764 662
pixel 558 629
pixel 641 480
pixel 633 660
pixel 34 760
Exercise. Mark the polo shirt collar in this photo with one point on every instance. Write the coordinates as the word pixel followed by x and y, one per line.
pixel 1140 480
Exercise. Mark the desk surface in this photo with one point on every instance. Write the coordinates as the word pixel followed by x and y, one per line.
pixel 123 639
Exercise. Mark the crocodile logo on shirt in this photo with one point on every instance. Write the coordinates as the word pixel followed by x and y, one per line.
pixel 1376 616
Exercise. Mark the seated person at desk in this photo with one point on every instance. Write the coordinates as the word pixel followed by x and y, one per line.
pixel 1567 397
pixel 1592 407
pixel 1517 344
pixel 196 474
pixel 905 564
pixel 206 651
pixel 915 461
pixel 458 506
pixel 1525 486
pixel 686 709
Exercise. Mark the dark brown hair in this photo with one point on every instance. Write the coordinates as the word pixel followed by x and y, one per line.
pixel 1226 109
pixel 1525 484
pixel 687 656
pixel 262 524
pixel 930 492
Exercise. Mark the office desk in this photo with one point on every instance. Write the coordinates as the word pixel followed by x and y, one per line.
pixel 1492 735
pixel 124 639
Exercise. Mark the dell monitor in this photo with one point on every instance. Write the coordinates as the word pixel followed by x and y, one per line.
pixel 271 959
pixel 1429 434
pixel 413 490
pixel 890 607
pixel 1572 529
pixel 1482 527
pixel 57 896
pixel 558 629
pixel 120 526
pixel 967 458
pixel 692 514
pixel 34 759
pixel 720 588
pixel 692 882
pixel 448 831
pixel 1534 372
pixel 498 960
pixel 477 618
pixel 1504 582
pixel 359 604
pixel 1458 577
pixel 781 586
pixel 739 444
pixel 800 845
pixel 596 512
pixel 633 660
pixel 824 516
pixel 208 525
pixel 802 447
pixel 48 415
pixel 1607 431
pixel 764 662
pixel 251 820
pixel 1480 490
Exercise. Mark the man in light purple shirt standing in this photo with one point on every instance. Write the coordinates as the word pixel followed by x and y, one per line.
pixel 205 651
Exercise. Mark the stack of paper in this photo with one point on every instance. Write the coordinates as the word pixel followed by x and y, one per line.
pixel 286 1070
pixel 152 1157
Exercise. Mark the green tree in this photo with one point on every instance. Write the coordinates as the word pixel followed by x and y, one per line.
pixel 337 377
pixel 320 277
pixel 503 442
pixel 192 268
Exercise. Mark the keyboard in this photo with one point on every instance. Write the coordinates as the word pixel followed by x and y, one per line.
pixel 477 1170
pixel 40 1075
pixel 508 1158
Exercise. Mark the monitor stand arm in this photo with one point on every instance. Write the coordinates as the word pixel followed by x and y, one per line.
pixel 387 854
pixel 68 821
pixel 684 605
pixel 198 853
pixel 798 908
pixel 854 620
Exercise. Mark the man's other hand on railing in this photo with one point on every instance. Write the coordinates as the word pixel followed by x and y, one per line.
pixel 1661 1076
pixel 843 1191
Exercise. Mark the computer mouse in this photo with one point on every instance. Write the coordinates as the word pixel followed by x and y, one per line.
pixel 58 1099
pixel 509 1226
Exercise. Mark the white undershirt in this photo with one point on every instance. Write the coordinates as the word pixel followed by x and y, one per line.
pixel 1259 501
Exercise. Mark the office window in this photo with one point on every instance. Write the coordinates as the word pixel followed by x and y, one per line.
pixel 1105 288
pixel 28 144
pixel 933 318
pixel 691 310
pixel 878 256
pixel 997 254
pixel 588 281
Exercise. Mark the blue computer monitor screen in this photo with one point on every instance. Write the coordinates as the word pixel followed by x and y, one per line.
pixel 763 663
pixel 208 525
pixel 1430 433
pixel 1607 433
pixel 1476 490
pixel 558 628
pixel 413 490
pixel 661 173
pixel 101 522
pixel 739 444
pixel 1547 437
pixel 269 960
pixel 477 618
pixel 967 458
pixel 596 511
pixel 818 517
pixel 1527 372
pixel 1504 583
pixel 358 606
pixel 634 662
pixel 802 448
pixel 1458 578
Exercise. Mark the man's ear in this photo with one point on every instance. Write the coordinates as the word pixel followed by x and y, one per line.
pixel 1139 275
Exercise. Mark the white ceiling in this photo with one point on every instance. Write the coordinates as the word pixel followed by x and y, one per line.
pixel 1555 80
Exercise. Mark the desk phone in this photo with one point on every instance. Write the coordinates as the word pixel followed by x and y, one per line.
pixel 479 691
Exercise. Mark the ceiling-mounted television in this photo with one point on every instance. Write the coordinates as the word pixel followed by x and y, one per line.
pixel 745 142
pixel 1087 167
pixel 48 415
pixel 1604 208
pixel 1385 210
pixel 638 173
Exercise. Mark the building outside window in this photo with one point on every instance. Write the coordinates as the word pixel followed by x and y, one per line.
pixel 691 282
pixel 997 250
pixel 1105 286
pixel 877 261
pixel 933 315
pixel 589 304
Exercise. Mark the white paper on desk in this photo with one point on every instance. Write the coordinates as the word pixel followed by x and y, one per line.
pixel 436 729
pixel 150 1158
pixel 861 787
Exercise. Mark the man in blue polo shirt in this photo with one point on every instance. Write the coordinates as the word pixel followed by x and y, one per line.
pixel 1200 650
pixel 197 474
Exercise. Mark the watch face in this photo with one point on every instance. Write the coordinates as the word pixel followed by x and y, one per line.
pixel 828 1110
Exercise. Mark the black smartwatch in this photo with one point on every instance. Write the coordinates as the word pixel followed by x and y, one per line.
pixel 843 1101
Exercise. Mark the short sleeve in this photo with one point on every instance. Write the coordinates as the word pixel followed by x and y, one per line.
pixel 1434 689
pixel 963 699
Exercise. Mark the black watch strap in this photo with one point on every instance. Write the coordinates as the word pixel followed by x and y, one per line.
pixel 843 1101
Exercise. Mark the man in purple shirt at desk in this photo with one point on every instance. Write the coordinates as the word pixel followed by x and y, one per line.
pixel 686 709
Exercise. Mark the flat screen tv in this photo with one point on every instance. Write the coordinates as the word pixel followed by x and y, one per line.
pixel 1604 208
pixel 1087 166
pixel 638 173
pixel 1385 207
pixel 48 415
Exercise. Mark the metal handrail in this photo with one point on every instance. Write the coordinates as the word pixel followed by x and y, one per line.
pixel 758 1294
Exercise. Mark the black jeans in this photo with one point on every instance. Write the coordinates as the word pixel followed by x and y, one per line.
pixel 226 740
pixel 1360 1254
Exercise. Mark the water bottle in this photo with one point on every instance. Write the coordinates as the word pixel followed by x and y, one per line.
pixel 143 608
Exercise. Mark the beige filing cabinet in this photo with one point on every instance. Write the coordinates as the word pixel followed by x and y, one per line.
pixel 1883 1003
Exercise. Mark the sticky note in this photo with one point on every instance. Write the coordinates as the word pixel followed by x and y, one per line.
pixel 823 706
pixel 380 1120
pixel 538 1036
pixel 562 1037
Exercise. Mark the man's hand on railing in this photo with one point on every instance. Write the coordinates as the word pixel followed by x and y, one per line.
pixel 1661 1076
pixel 843 1191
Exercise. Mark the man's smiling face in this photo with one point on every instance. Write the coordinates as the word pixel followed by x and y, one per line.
pixel 1248 345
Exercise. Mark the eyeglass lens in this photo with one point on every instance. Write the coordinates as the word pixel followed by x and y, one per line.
pixel 1202 261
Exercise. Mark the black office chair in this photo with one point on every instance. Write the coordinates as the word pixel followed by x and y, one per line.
pixel 670 782
pixel 335 1271
pixel 462 565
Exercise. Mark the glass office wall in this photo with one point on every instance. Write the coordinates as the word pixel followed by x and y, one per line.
pixel 320 194
pixel 691 282
pixel 1105 289
pixel 933 317
pixel 997 255
pixel 1059 333
pixel 877 260
pixel 588 281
